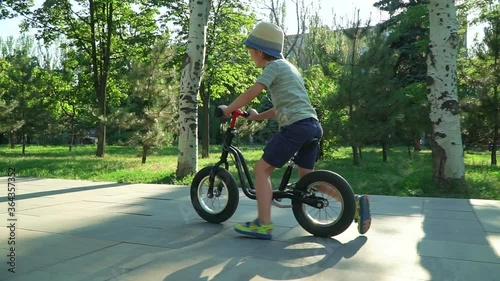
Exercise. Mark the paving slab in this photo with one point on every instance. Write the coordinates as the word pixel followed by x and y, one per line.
pixel 75 230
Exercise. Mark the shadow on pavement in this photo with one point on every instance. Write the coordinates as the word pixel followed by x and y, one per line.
pixel 155 232
pixel 299 257
pixel 455 246
pixel 62 191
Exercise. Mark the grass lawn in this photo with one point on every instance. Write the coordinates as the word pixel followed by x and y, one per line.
pixel 399 176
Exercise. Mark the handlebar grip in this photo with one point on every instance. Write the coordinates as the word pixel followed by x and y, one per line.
pixel 218 112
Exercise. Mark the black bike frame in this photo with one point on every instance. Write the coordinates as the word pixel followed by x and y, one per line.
pixel 244 174
pixel 239 162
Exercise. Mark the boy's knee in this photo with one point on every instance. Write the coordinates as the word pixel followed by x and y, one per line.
pixel 262 167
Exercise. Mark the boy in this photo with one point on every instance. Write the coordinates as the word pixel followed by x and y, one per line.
pixel 297 120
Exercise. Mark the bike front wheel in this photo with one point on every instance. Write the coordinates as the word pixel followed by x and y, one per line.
pixel 338 210
pixel 222 204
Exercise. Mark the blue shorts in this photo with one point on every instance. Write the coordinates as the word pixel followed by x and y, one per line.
pixel 289 140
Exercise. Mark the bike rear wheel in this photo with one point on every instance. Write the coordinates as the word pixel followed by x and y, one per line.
pixel 222 205
pixel 339 210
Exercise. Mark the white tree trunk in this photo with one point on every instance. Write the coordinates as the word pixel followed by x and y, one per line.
pixel 447 149
pixel 192 71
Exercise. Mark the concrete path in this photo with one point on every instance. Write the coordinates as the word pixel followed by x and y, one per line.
pixel 73 230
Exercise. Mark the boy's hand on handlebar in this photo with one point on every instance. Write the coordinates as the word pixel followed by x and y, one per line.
pixel 252 114
pixel 224 110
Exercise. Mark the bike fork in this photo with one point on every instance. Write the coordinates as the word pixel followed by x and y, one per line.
pixel 211 180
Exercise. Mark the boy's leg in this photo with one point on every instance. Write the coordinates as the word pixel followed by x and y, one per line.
pixel 261 227
pixel 276 153
pixel 264 190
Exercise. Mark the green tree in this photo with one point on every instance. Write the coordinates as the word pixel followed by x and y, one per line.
pixel 152 112
pixel 8 124
pixel 12 8
pixel 321 89
pixel 68 87
pixel 106 31
pixel 228 67
pixel 350 89
pixel 484 72
pixel 20 89
pixel 329 52
pixel 408 32
pixel 380 103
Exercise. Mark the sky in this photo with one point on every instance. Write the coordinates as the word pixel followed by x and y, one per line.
pixel 341 8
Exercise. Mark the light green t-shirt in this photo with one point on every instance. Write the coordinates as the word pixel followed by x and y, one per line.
pixel 288 93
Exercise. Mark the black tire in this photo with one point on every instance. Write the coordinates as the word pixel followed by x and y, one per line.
pixel 343 210
pixel 204 206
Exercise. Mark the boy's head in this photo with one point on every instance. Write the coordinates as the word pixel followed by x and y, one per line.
pixel 268 38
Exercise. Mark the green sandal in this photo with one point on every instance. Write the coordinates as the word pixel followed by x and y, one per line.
pixel 255 229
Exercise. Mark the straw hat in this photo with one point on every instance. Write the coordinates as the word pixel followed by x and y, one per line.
pixel 268 38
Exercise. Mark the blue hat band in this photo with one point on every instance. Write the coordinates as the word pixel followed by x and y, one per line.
pixel 270 48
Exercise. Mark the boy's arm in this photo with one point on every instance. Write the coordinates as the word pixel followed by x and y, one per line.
pixel 244 98
pixel 270 113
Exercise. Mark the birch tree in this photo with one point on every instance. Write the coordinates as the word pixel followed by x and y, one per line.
pixel 446 143
pixel 192 70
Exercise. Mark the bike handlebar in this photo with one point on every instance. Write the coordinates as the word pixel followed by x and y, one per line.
pixel 234 115
pixel 238 112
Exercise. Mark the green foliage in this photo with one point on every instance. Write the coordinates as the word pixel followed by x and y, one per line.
pixel 11 8
pixel 380 103
pixel 150 114
pixel 480 79
pixel 229 69
pixel 361 92
pixel 266 129
pixel 109 32
pixel 322 91
pixel 7 121
pixel 408 38
pixel 413 121
pixel 399 176
pixel 408 32
pixel 70 90
pixel 329 81
pixel 20 79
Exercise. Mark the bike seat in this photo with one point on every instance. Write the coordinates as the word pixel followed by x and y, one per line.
pixel 311 142
pixel 307 144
